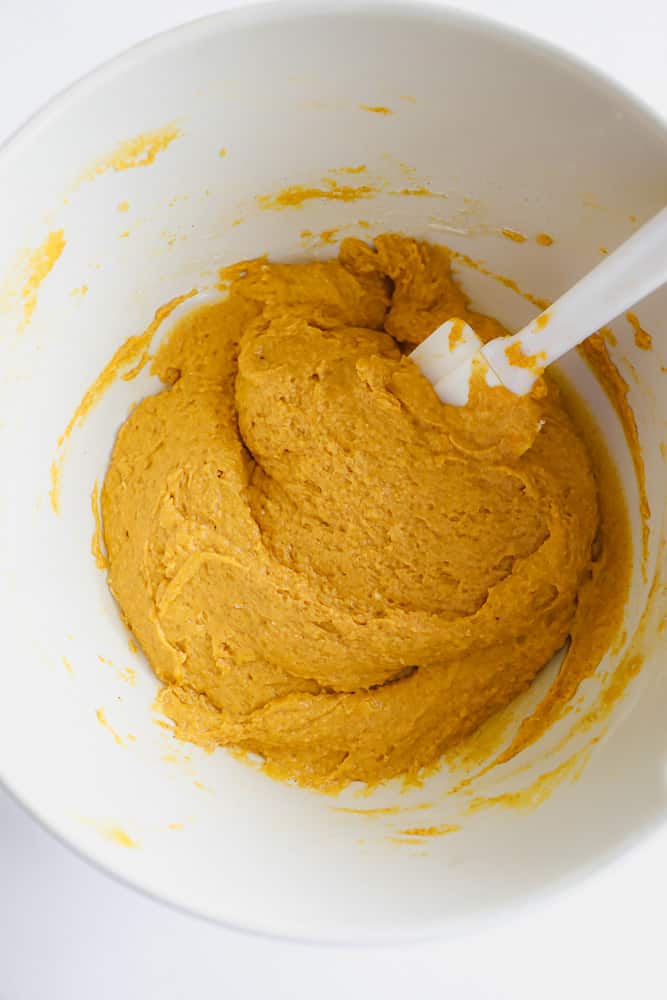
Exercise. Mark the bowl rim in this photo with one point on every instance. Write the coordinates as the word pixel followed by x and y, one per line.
pixel 268 12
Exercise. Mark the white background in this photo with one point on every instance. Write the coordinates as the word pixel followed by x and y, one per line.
pixel 67 931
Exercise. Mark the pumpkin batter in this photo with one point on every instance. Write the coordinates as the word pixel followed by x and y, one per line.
pixel 323 563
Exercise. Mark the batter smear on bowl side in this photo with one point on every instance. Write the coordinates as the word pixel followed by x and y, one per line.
pixel 323 563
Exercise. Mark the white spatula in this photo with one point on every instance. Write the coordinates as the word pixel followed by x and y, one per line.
pixel 635 269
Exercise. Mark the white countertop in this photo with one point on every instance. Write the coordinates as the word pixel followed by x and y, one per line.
pixel 67 931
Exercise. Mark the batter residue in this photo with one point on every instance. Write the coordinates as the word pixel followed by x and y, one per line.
pixel 324 564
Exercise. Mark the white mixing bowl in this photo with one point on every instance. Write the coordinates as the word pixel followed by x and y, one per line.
pixel 515 135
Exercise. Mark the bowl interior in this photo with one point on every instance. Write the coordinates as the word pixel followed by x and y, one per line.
pixel 463 129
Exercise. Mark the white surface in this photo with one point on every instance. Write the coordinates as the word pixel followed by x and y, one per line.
pixel 67 931
pixel 635 269
pixel 247 851
pixel 619 282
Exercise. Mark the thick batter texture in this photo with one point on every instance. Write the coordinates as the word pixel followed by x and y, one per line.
pixel 323 563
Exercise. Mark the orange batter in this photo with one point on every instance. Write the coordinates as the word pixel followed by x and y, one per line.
pixel 323 563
